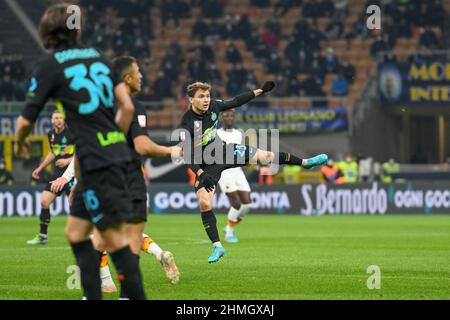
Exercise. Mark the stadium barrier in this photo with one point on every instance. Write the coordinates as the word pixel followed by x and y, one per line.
pixel 304 199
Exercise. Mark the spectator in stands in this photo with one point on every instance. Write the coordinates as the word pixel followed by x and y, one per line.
pixel 347 70
pixel 340 10
pixel 216 31
pixel 326 8
pixel 175 54
pixel 359 30
pixel 273 65
pixel 294 87
pixel 229 28
pixel 340 86
pixel 169 9
pixel 232 54
pixel 7 88
pixel 378 45
pixel 334 29
pixel 301 31
pixel 237 78
pixel 213 75
pixel 311 87
pixel 282 88
pixel 212 9
pixel 260 3
pixel 270 39
pixel 429 39
pixel 330 61
pixel 162 88
pixel 311 9
pixel 283 6
pixel 196 68
pixel 199 30
pixel 314 38
pixel 390 57
pixel 251 81
pixel 242 25
pixel 259 49
pixel 206 53
pixel 317 70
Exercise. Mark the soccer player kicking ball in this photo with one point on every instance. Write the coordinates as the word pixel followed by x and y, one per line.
pixel 83 81
pixel 233 181
pixel 61 144
pixel 208 156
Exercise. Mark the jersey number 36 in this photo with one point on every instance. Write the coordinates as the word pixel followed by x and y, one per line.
pixel 98 84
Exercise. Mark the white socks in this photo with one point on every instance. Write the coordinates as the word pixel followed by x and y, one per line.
pixel 155 250
pixel 233 214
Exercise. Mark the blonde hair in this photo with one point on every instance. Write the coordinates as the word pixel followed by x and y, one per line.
pixel 194 87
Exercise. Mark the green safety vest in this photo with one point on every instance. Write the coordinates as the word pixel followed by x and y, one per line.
pixel 388 170
pixel 349 170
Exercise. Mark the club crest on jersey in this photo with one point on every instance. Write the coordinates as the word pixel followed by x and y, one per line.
pixel 142 120
pixel 213 116
pixel 63 140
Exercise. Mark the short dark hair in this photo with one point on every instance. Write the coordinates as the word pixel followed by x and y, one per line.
pixel 194 87
pixel 122 64
pixel 53 29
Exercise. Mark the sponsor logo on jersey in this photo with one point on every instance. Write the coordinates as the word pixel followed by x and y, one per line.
pixel 142 120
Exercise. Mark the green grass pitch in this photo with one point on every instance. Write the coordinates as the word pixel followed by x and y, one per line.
pixel 278 257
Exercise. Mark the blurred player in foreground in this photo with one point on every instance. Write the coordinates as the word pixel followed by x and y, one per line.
pixel 233 181
pixel 62 146
pixel 141 146
pixel 208 156
pixel 81 79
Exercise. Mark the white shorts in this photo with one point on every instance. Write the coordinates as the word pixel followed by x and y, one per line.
pixel 233 180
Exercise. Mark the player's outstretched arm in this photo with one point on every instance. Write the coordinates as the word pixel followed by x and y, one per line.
pixel 147 147
pixel 245 97
pixel 48 159
pixel 125 107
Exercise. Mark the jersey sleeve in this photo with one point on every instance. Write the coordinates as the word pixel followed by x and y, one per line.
pixel 243 98
pixel 138 126
pixel 42 85
pixel 70 171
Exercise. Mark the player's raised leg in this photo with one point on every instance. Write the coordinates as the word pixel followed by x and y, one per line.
pixel 267 157
pixel 205 200
pixel 47 198
pixel 166 258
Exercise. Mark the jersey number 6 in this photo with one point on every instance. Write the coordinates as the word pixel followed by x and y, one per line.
pixel 99 85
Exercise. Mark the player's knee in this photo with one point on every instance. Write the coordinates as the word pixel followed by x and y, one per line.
pixel 45 204
pixel 205 204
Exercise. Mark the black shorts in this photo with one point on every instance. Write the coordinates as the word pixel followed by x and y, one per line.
pixel 241 157
pixel 102 197
pixel 69 185
pixel 138 211
pixel 138 192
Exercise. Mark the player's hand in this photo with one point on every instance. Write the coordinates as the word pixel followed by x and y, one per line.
pixel 61 163
pixel 207 181
pixel 22 150
pixel 58 184
pixel 176 153
pixel 36 174
pixel 268 86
